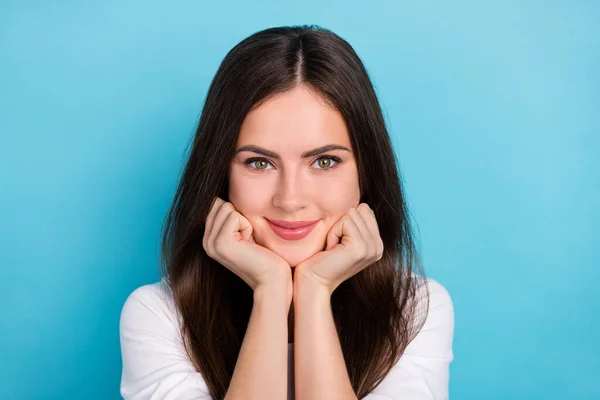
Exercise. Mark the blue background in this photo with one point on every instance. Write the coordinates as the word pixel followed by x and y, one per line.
pixel 494 111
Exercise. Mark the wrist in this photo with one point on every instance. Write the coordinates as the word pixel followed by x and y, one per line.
pixel 276 290
pixel 308 286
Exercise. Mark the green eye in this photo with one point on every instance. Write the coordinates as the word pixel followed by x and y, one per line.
pixel 260 163
pixel 324 162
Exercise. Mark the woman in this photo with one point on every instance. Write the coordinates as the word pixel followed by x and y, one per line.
pixel 290 264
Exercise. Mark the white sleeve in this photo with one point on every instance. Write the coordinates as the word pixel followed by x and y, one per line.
pixel 155 364
pixel 422 373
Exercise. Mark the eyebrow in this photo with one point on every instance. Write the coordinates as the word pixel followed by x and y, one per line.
pixel 311 153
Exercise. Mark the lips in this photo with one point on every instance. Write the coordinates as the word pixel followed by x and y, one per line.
pixel 291 224
pixel 292 230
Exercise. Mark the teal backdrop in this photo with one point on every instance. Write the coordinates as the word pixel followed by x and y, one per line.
pixel 494 111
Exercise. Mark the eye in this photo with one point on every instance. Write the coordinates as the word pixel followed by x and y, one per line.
pixel 262 162
pixel 324 162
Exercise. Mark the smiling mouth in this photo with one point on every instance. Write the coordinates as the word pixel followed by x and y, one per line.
pixel 294 231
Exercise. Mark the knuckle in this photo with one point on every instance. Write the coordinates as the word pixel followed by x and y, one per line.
pixel 361 251
pixel 380 249
pixel 208 251
pixel 216 203
pixel 219 244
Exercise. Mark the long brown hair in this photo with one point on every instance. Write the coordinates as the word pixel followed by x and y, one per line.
pixel 373 311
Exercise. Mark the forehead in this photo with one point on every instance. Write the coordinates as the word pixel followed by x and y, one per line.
pixel 292 122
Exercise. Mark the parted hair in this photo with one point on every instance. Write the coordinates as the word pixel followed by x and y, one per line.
pixel 374 311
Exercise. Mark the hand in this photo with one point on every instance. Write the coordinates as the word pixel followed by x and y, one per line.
pixel 228 239
pixel 360 246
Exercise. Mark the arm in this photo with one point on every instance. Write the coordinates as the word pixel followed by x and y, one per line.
pixel 156 366
pixel 319 367
pixel 422 373
pixel 261 368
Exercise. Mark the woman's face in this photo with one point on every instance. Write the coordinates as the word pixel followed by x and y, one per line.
pixel 285 185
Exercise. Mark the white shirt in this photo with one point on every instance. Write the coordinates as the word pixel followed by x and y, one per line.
pixel 156 366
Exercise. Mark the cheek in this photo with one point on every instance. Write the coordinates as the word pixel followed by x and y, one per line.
pixel 248 195
pixel 340 194
pixel 336 198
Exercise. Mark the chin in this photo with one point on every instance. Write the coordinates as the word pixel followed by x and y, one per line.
pixel 295 252
pixel 295 256
pixel 293 261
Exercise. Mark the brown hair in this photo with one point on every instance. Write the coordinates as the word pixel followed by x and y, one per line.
pixel 373 311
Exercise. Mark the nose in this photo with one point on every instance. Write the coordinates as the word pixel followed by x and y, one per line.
pixel 290 192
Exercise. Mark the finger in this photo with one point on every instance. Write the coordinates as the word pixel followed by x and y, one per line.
pixel 371 221
pixel 235 226
pixel 245 228
pixel 216 204
pixel 354 239
pixel 225 209
pixel 348 233
pixel 365 232
pixel 214 209
pixel 357 217
pixel 335 234
pixel 369 217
